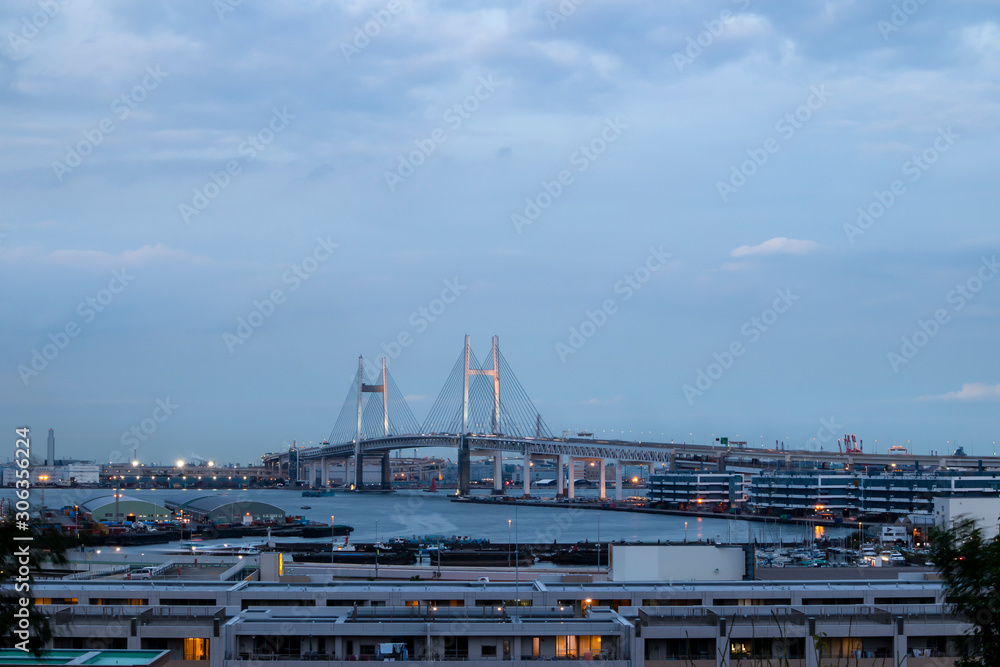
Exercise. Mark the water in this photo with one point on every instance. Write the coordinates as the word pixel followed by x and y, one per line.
pixel 410 512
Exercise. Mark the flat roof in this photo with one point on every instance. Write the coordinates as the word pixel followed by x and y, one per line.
pixel 9 656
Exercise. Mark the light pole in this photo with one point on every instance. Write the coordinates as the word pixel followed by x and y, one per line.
pixel 508 542
pixel 333 538
pixel 517 570
pixel 598 540
pixel 685 531
pixel 376 548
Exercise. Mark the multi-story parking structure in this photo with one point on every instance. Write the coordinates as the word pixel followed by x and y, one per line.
pixel 692 489
pixel 845 494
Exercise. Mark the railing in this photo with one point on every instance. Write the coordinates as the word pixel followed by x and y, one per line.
pixel 94 574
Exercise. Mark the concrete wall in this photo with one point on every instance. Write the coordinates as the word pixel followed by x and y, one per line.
pixel 677 562
pixel 984 511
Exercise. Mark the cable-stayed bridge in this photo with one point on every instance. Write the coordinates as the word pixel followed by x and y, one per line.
pixel 483 410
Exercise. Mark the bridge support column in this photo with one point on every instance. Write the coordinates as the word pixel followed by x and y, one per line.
pixel 464 468
pixel 572 477
pixel 560 470
pixel 527 472
pixel 386 472
pixel 359 468
pixel 498 473
pixel 618 480
pixel 672 462
pixel 325 475
pixel 603 464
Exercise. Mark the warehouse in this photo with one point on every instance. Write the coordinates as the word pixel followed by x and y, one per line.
pixel 119 507
pixel 218 509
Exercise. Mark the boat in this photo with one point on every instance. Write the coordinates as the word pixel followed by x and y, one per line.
pixel 319 493
pixel 306 507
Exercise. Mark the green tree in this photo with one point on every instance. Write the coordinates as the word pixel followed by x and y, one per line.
pixel 970 566
pixel 46 545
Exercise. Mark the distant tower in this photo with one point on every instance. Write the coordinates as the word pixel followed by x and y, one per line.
pixel 50 460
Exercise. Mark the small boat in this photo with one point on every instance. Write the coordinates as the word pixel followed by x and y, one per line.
pixel 306 507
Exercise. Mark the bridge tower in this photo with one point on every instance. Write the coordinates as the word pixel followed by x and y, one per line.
pixel 464 458
pixel 363 388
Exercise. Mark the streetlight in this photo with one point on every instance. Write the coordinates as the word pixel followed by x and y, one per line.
pixel 376 548
pixel 333 538
pixel 517 570
pixel 685 531
pixel 508 542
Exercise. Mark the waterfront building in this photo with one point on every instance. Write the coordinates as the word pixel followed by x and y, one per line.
pixel 213 508
pixel 697 490
pixel 61 473
pixel 117 507
pixel 851 494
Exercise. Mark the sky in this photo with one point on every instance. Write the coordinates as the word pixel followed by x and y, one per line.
pixel 684 220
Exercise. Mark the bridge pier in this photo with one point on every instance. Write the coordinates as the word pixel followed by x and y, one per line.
pixel 603 464
pixel 464 468
pixel 359 467
pixel 560 486
pixel 527 472
pixel 325 475
pixel 498 473
pixel 618 480
pixel 386 472
pixel 572 478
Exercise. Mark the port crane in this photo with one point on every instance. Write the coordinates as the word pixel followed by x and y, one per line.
pixel 852 445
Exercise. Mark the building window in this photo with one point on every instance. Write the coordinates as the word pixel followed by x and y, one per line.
pixel 195 649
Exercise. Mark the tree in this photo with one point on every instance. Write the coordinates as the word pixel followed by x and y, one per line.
pixel 970 566
pixel 46 545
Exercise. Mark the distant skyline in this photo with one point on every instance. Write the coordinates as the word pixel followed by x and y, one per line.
pixel 683 220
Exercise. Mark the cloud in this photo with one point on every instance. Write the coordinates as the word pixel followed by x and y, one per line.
pixel 778 244
pixel 970 391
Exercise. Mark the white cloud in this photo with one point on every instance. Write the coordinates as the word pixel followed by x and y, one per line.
pixel 778 244
pixel 970 391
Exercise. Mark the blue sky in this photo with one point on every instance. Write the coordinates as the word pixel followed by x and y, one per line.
pixel 683 220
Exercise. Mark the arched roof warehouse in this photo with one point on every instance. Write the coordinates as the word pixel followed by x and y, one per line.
pixel 224 508
pixel 102 508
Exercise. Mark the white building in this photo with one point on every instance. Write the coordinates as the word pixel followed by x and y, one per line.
pixel 67 473
pixel 984 510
